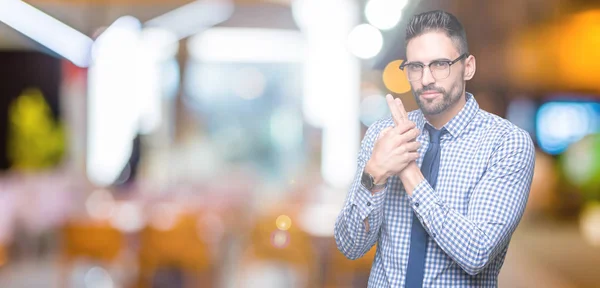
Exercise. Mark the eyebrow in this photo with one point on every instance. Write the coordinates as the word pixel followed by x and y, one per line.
pixel 434 60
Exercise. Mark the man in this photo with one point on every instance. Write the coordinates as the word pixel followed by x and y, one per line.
pixel 442 208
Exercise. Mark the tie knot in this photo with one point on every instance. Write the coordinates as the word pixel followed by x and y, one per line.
pixel 434 134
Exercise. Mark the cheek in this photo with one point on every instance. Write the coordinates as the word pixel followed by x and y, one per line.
pixel 459 74
pixel 448 84
pixel 415 85
pixel 455 81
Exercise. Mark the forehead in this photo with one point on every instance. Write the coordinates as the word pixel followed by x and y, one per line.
pixel 430 46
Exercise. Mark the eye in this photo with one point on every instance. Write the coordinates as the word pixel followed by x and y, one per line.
pixel 440 65
pixel 414 67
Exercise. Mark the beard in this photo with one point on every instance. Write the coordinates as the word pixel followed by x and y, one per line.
pixel 437 106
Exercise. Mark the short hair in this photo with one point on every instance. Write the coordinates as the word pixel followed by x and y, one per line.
pixel 438 21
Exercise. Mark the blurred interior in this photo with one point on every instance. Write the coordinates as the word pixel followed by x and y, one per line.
pixel 210 143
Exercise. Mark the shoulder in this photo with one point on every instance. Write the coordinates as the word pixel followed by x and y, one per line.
pixel 506 137
pixel 501 127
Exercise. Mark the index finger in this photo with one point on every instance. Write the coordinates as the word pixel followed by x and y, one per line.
pixel 396 114
pixel 401 108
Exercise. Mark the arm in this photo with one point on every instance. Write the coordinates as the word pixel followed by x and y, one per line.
pixel 357 226
pixel 495 208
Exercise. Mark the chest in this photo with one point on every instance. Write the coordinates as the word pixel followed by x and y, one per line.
pixel 463 163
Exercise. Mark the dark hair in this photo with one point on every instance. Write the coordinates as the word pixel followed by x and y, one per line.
pixel 438 21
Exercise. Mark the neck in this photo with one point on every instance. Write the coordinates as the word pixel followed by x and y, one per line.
pixel 439 120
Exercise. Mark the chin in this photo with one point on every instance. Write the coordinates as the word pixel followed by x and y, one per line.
pixel 431 109
pixel 432 112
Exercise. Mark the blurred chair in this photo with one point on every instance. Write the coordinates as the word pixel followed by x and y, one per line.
pixel 343 272
pixel 286 256
pixel 178 249
pixel 91 240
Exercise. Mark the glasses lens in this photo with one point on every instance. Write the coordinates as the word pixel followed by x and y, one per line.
pixel 440 70
pixel 414 72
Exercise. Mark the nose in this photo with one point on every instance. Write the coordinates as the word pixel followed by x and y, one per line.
pixel 427 77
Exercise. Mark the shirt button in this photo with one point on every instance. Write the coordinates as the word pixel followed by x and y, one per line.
pixel 417 204
pixel 368 203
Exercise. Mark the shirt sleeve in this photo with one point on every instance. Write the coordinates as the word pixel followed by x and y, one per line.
pixel 351 235
pixel 495 208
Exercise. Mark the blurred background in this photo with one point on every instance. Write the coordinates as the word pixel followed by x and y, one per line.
pixel 149 143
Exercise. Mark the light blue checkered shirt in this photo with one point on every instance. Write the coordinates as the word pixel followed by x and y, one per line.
pixel 486 169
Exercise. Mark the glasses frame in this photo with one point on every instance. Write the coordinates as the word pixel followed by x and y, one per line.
pixel 450 63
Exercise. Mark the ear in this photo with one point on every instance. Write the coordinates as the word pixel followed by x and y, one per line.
pixel 470 67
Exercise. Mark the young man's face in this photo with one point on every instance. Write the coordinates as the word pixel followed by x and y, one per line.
pixel 436 91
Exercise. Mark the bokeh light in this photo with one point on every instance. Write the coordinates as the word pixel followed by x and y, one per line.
pixel 365 41
pixel 581 165
pixel 98 277
pixel 394 79
pixel 373 108
pixel 100 204
pixel 562 123
pixel 283 222
pixel 280 239
pixel 164 216
pixel 384 14
pixel 128 217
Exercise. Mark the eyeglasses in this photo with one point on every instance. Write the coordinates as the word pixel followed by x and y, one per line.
pixel 440 69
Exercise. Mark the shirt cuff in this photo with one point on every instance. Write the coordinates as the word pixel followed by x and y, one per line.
pixel 424 201
pixel 365 202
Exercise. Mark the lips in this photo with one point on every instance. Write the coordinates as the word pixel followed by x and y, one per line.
pixel 431 95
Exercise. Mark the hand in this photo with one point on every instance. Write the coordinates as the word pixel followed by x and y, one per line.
pixel 395 147
pixel 399 114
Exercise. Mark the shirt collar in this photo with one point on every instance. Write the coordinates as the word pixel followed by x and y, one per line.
pixel 459 122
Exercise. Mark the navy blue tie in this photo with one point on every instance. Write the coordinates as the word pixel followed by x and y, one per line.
pixel 418 236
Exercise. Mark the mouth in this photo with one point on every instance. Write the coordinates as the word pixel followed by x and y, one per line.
pixel 430 95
